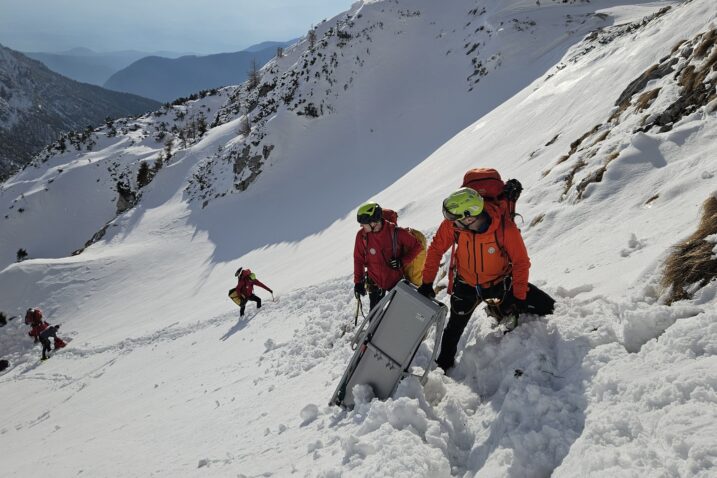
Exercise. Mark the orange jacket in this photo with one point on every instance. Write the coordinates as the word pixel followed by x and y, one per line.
pixel 482 259
pixel 373 250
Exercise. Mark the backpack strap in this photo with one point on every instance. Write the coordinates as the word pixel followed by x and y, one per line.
pixel 394 243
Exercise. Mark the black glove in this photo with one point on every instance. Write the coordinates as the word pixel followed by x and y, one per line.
pixel 395 264
pixel 520 306
pixel 426 289
pixel 512 189
pixel 359 290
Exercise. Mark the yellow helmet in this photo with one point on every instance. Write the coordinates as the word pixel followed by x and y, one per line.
pixel 465 202
pixel 369 212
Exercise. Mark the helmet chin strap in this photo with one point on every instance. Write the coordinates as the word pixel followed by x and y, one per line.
pixel 462 224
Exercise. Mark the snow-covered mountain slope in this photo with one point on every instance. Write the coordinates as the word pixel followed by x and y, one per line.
pixel 37 105
pixel 615 382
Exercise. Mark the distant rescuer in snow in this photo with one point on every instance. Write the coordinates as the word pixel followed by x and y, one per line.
pixel 41 331
pixel 244 291
pixel 380 251
pixel 491 264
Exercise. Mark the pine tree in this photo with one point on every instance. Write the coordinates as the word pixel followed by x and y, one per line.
pixel 253 75
pixel 168 149
pixel 158 163
pixel 201 124
pixel 21 255
pixel 311 37
pixel 144 175
pixel 245 125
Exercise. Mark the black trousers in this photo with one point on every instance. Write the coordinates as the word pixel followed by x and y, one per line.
pixel 45 335
pixel 375 293
pixel 374 296
pixel 464 301
pixel 244 300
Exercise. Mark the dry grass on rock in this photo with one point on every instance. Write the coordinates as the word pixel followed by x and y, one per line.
pixel 692 262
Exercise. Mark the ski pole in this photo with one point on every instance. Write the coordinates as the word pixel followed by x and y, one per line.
pixel 272 297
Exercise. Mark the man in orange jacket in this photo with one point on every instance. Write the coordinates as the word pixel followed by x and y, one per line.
pixel 490 263
pixel 381 249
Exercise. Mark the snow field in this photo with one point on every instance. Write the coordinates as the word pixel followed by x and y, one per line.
pixel 163 378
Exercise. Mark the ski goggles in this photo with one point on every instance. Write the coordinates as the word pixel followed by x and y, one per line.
pixel 454 217
pixel 367 219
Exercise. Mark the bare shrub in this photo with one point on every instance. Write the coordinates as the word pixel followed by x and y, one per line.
pixel 691 261
pixel 646 99
pixel 538 219
pixel 707 43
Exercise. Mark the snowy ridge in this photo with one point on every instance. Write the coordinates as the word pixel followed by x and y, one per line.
pixel 614 383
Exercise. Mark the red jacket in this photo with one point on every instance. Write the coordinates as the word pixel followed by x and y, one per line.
pixel 482 258
pixel 37 329
pixel 245 286
pixel 373 251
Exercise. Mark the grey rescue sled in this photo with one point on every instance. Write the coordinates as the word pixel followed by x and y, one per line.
pixel 386 347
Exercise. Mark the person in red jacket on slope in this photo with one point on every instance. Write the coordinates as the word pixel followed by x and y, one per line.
pixel 41 331
pixel 380 251
pixel 245 288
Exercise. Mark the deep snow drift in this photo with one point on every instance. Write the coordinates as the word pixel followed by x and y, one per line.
pixel 163 378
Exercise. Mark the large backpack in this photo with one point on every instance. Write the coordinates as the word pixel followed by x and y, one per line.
pixel 241 274
pixel 33 315
pixel 488 183
pixel 412 271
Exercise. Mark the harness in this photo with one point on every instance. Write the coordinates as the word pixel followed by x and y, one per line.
pixel 453 267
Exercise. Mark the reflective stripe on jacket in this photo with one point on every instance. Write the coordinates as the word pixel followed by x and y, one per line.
pixel 482 259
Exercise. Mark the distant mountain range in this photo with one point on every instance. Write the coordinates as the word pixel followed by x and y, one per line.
pixel 88 66
pixel 37 105
pixel 165 79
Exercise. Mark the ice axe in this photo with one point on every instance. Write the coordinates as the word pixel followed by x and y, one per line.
pixel 359 308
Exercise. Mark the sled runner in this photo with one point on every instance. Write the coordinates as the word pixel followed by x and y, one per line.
pixel 387 341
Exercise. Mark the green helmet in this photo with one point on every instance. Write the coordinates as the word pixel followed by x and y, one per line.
pixel 369 212
pixel 465 202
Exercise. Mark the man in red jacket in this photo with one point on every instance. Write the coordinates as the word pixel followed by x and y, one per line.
pixel 42 331
pixel 245 289
pixel 490 263
pixel 380 250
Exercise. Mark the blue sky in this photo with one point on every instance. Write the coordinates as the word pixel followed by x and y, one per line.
pixel 201 26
